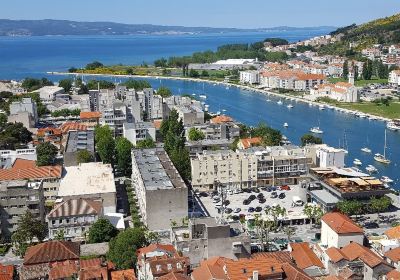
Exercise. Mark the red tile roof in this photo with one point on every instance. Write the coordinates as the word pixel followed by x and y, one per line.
pixel 52 251
pixel 221 119
pixel 393 255
pixel 393 233
pixel 303 255
pixel 67 126
pixel 96 262
pixel 51 130
pixel 157 247
pixel 250 142
pixel 210 269
pixel 63 270
pixel 6 272
pixel 90 115
pixel 174 276
pixel 21 163
pixel 31 173
pixel 94 273
pixel 128 274
pixel 393 275
pixel 282 256
pixel 243 269
pixel 157 124
pixel 294 273
pixel 341 224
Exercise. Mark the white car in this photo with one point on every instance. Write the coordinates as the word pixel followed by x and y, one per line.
pixel 237 210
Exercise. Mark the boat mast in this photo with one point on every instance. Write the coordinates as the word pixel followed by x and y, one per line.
pixel 384 148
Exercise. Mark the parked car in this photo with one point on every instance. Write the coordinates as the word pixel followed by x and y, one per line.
pixel 230 192
pixel 256 190
pixel 237 210
pixel 237 191
pixel 262 200
pixel 282 195
pixel 371 225
pixel 285 188
pixel 216 199
pixel 246 202
pixel 252 197
pixel 247 190
pixel 260 195
pixel 227 202
pixel 228 210
pixel 274 195
pixel 268 189
pixel 251 210
pixel 204 194
pixel 258 209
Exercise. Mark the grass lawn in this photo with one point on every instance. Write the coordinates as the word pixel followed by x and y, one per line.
pixel 360 83
pixel 392 111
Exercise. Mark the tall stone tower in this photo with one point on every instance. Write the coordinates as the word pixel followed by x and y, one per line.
pixel 351 78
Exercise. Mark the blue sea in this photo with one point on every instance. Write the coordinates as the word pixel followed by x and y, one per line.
pixel 22 57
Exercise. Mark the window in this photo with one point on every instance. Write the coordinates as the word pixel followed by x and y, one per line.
pixel 169 266
pixel 158 267
pixel 179 265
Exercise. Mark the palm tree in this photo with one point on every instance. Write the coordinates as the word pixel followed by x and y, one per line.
pixel 276 212
pixel 289 231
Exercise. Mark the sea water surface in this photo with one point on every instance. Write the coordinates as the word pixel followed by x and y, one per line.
pixel 22 57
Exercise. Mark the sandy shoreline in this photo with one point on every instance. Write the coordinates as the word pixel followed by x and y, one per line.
pixel 244 87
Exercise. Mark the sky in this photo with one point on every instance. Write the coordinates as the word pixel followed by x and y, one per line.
pixel 212 13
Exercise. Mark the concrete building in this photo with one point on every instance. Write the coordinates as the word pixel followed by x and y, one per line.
pixel 326 156
pixel 48 94
pixel 93 180
pixel 394 78
pixel 231 169
pixel 338 230
pixel 216 131
pixel 8 157
pixel 24 111
pixel 197 147
pixel 205 238
pixel 139 131
pixel 73 217
pixel 17 197
pixel 161 192
pixel 295 80
pixel 190 114
pixel 115 116
pixel 250 77
pixel 78 141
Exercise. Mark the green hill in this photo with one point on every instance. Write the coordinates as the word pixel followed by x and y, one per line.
pixel 380 31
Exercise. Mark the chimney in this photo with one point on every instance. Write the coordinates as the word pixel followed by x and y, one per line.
pixel 255 275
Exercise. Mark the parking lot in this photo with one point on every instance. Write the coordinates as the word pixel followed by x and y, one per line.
pixel 235 202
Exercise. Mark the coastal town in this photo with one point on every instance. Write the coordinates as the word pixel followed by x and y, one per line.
pixel 105 176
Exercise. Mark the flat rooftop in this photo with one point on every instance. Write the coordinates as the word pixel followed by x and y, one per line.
pixel 87 178
pixel 138 125
pixel 324 196
pixel 157 170
pixel 80 140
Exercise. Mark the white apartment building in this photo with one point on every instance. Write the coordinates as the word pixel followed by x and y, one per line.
pixel 291 80
pixel 325 156
pixel 162 194
pixel 48 93
pixel 394 78
pixel 139 131
pixel 250 77
pixel 342 92
pixel 24 111
pixel 190 114
pixel 231 169
pixel 8 157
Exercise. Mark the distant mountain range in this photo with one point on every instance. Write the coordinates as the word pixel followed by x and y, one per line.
pixel 49 27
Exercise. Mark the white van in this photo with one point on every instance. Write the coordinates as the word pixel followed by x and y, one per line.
pixel 297 201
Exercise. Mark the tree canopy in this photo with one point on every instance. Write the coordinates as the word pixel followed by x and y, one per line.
pixel 84 156
pixel 31 84
pixel 164 92
pixel 93 65
pixel 350 207
pixel 270 136
pixel 196 134
pixel 137 84
pixel 123 151
pixel 13 135
pixel 66 84
pixel 145 144
pixel 105 143
pixel 95 84
pixel 101 231
pixel 123 247
pixel 276 41
pixel 46 154
pixel 308 138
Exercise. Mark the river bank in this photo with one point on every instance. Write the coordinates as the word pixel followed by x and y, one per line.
pixel 244 87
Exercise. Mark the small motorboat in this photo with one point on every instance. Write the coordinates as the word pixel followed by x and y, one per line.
pixel 285 124
pixel 316 130
pixel 366 150
pixel 290 106
pixel 280 102
pixel 203 96
pixel 371 169
pixel 357 162
pixel 386 180
pixel 322 107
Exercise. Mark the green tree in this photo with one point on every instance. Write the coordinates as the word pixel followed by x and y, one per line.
pixel 31 84
pixel 105 144
pixel 307 139
pixel 123 149
pixel 367 70
pixel 194 73
pixel 66 84
pixel 380 205
pixel 313 212
pixel 46 154
pixel 145 144
pixel 84 156
pixel 28 228
pixel 289 231
pixel 95 84
pixel 60 235
pixel 204 73
pixel 275 212
pixel 163 92
pixel 162 62
pixel 196 134
pixel 101 231
pixel 123 247
pixel 3 120
pixel 137 84
pixel 345 70
pixel 349 207
pixel 94 65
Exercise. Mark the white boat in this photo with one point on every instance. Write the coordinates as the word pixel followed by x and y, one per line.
pixel 285 124
pixel 382 158
pixel 290 106
pixel 268 100
pixel 280 102
pixel 223 110
pixel 393 125
pixel 193 94
pixel 316 130
pixel 371 169
pixel 386 180
pixel 357 162
pixel 203 96
pixel 227 88
pixel 218 112
pixel 366 150
pixel 322 107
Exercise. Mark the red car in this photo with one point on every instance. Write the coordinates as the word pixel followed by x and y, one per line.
pixel 285 188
